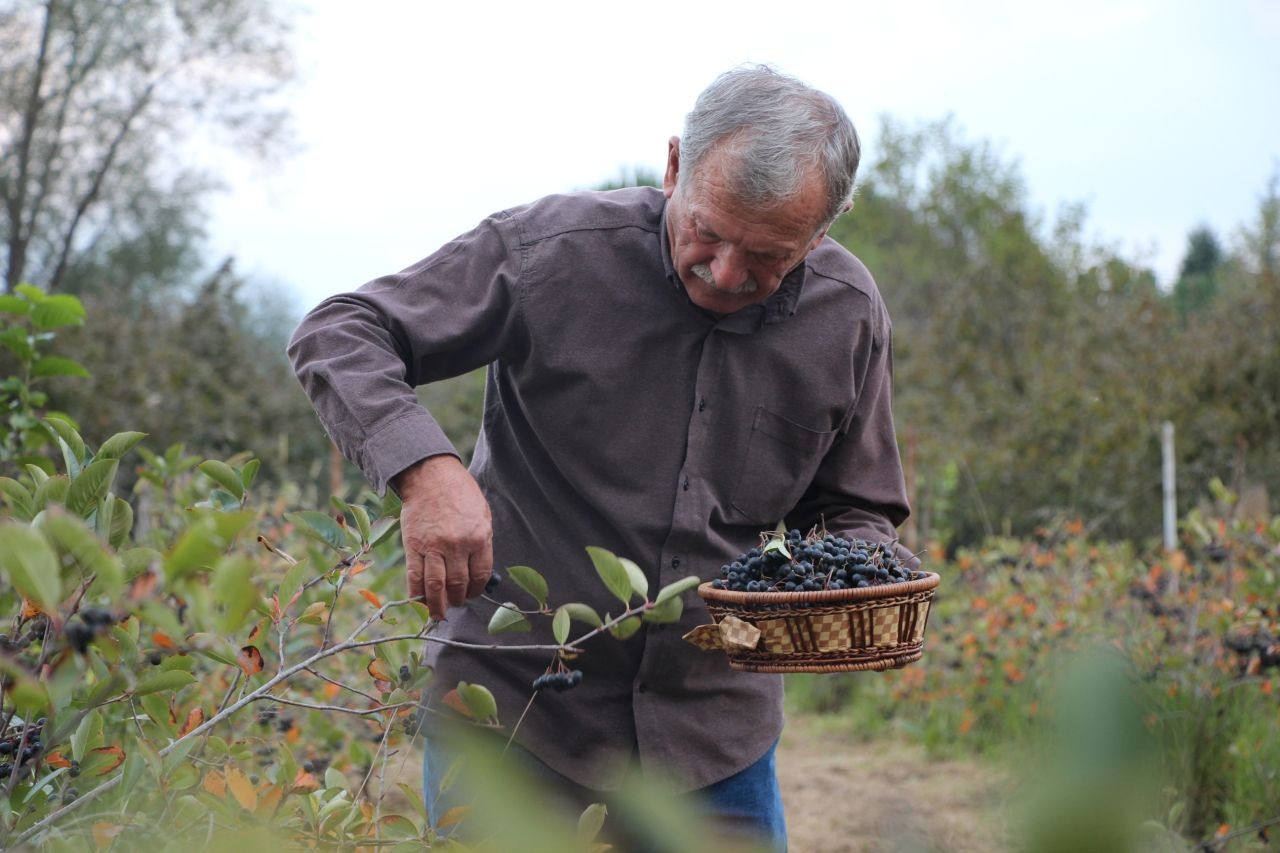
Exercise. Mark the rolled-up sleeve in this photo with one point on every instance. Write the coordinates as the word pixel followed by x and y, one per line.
pixel 359 355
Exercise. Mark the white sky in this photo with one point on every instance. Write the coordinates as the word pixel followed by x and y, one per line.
pixel 417 119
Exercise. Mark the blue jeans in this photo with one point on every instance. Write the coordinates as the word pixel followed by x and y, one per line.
pixel 746 807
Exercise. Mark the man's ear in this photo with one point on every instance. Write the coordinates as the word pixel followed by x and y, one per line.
pixel 672 173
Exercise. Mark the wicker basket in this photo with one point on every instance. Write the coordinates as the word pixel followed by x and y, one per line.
pixel 873 628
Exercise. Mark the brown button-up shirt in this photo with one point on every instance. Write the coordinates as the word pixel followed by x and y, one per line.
pixel 619 414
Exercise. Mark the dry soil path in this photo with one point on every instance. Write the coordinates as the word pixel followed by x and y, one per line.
pixel 844 796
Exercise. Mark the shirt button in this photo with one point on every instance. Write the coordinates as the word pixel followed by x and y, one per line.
pixel 686 484
pixel 675 562
pixel 642 687
pixel 702 403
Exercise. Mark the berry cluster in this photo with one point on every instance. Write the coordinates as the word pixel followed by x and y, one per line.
pixel 13 749
pixel 93 621
pixel 558 681
pixel 795 563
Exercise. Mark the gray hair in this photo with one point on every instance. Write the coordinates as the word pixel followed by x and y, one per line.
pixel 778 130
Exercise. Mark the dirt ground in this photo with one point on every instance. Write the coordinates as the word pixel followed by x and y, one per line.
pixel 842 796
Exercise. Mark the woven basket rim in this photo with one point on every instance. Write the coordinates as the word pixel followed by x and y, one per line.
pixel 822 596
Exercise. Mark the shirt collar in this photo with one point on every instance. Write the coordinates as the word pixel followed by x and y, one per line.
pixel 778 307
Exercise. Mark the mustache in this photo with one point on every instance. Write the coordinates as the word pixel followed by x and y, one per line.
pixel 703 271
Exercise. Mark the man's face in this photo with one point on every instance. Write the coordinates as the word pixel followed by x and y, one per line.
pixel 730 254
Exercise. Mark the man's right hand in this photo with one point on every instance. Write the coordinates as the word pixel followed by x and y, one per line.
pixel 447 532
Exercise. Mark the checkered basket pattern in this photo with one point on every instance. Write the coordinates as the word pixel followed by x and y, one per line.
pixel 874 628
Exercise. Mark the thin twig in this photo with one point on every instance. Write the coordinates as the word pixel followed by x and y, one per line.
pixel 311 706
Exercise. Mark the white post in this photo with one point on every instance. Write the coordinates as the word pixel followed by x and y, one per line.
pixel 1170 502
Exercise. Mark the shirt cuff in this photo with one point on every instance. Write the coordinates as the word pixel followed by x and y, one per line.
pixel 409 438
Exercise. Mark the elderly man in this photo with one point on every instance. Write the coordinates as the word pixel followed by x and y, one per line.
pixel 669 373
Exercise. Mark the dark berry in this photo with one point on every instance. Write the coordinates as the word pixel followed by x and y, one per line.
pixel 492 584
pixel 405 673
pixel 78 635
pixel 155 658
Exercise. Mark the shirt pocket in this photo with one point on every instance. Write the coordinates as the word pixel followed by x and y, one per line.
pixel 781 458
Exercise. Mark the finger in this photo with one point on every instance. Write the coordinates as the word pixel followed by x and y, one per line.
pixel 433 582
pixel 413 573
pixel 456 583
pixel 480 567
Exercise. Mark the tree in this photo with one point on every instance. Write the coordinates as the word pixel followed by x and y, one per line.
pixel 97 98
pixel 1197 282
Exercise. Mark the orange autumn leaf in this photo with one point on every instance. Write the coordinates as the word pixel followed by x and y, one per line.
pixel 330 690
pixel 379 670
pixel 356 569
pixel 255 633
pixel 452 816
pixel 143 585
pixel 215 783
pixel 304 781
pixel 293 735
pixel 104 833
pixel 270 799
pixel 30 609
pixel 56 760
pixel 371 598
pixel 242 789
pixel 1223 830
pixel 164 641
pixel 110 750
pixel 250 660
pixel 454 701
pixel 195 718
pixel 1012 672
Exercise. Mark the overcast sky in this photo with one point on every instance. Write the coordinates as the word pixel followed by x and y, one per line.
pixel 417 119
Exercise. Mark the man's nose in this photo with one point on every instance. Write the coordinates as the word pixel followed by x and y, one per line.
pixel 729 267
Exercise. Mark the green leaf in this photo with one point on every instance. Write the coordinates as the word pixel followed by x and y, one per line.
pixel 626 627
pixel 319 526
pixel 361 516
pixel 224 475
pixel 777 544
pixel 666 612
pixel 15 340
pixel 613 574
pixel 14 305
pixel 172 680
pixel 119 444
pixel 582 613
pixel 33 293
pixel 78 542
pixel 505 618
pixel 37 474
pixel 293 580
pixel 590 822
pixel 21 501
pixel 197 548
pixel 204 540
pixel 60 428
pixel 383 529
pixel 639 583
pixel 233 586
pixel 52 491
pixel 531 582
pixel 88 735
pixel 30 564
pixel 121 522
pixel 249 473
pixel 56 365
pixel 675 588
pixel 58 310
pixel 90 485
pixel 478 700
pixel 560 625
